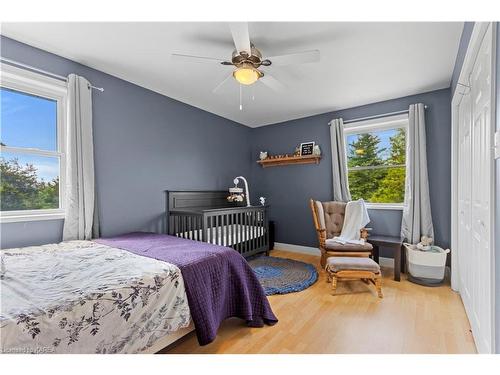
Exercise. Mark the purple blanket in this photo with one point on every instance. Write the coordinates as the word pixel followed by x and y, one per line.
pixel 219 282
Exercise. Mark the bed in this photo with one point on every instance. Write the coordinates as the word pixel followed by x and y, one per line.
pixel 207 216
pixel 135 293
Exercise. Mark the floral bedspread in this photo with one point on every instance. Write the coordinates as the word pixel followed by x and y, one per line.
pixel 85 297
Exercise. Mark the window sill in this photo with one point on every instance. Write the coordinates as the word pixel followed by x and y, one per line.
pixel 384 206
pixel 31 217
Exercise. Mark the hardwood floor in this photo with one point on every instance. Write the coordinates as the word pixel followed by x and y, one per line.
pixel 409 319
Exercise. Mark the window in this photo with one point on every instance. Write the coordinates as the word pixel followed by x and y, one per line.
pixel 376 157
pixel 32 146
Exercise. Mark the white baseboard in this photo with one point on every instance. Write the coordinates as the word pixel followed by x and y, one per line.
pixel 297 248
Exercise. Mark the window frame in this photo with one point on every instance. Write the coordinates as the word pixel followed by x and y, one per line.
pixel 31 83
pixel 377 124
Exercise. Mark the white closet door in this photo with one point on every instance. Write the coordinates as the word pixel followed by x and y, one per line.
pixel 474 193
pixel 464 200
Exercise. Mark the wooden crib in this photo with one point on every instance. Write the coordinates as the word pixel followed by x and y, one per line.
pixel 207 216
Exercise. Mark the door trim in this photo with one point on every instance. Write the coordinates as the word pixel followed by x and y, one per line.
pixel 478 33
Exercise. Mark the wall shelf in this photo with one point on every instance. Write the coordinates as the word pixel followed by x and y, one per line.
pixel 313 159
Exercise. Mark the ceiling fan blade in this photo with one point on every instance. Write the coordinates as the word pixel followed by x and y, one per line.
pixel 295 58
pixel 241 37
pixel 272 83
pixel 196 59
pixel 216 89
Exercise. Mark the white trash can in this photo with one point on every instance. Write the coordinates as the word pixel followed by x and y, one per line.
pixel 426 267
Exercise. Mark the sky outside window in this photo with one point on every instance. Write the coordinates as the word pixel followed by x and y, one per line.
pixel 30 121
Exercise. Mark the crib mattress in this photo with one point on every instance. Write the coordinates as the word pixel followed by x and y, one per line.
pixel 225 235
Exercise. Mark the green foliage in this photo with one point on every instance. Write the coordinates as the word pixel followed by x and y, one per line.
pixel 382 185
pixel 364 151
pixel 391 188
pixel 398 147
pixel 21 190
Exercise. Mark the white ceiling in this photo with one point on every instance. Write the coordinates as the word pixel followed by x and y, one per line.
pixel 360 63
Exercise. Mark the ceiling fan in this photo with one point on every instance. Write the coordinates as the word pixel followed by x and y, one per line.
pixel 247 60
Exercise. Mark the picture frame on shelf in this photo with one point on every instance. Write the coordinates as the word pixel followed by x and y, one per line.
pixel 307 148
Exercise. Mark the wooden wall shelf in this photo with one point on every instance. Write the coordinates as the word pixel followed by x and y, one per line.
pixel 313 159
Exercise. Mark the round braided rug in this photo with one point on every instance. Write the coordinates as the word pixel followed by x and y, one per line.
pixel 281 275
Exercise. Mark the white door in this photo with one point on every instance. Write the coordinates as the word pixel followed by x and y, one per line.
pixel 465 259
pixel 474 198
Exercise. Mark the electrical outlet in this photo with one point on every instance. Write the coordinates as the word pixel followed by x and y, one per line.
pixel 497 145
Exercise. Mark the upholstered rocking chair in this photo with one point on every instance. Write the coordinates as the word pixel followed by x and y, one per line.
pixel 328 220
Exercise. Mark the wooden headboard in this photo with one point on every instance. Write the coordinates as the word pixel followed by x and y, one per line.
pixel 185 200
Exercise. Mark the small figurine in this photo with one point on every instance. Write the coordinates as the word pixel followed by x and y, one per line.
pixel 262 201
pixel 316 150
pixel 263 155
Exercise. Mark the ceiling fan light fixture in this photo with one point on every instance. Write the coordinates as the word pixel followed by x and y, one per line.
pixel 247 74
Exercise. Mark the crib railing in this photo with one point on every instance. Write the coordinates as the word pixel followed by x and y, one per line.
pixel 245 229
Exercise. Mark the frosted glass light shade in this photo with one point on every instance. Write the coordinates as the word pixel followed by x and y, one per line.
pixel 246 75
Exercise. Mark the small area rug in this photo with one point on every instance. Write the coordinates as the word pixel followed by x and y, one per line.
pixel 281 275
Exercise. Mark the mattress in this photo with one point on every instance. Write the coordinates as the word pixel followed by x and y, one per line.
pixel 85 297
pixel 219 281
pixel 225 235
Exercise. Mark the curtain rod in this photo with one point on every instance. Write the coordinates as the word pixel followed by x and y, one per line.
pixel 377 116
pixel 29 67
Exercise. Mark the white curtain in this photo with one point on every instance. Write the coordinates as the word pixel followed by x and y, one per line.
pixel 417 219
pixel 81 213
pixel 339 163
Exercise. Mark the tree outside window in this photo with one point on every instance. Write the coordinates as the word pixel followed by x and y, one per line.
pixel 376 164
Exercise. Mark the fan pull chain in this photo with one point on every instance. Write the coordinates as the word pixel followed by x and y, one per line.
pixel 253 92
pixel 241 104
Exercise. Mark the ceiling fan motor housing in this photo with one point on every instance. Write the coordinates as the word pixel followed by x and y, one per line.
pixel 241 58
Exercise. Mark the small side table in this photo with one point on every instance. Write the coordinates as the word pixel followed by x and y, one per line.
pixel 391 242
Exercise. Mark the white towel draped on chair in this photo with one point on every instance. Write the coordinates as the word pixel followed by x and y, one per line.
pixel 356 217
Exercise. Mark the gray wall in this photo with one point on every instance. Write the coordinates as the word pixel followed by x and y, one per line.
pixel 289 188
pixel 145 143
